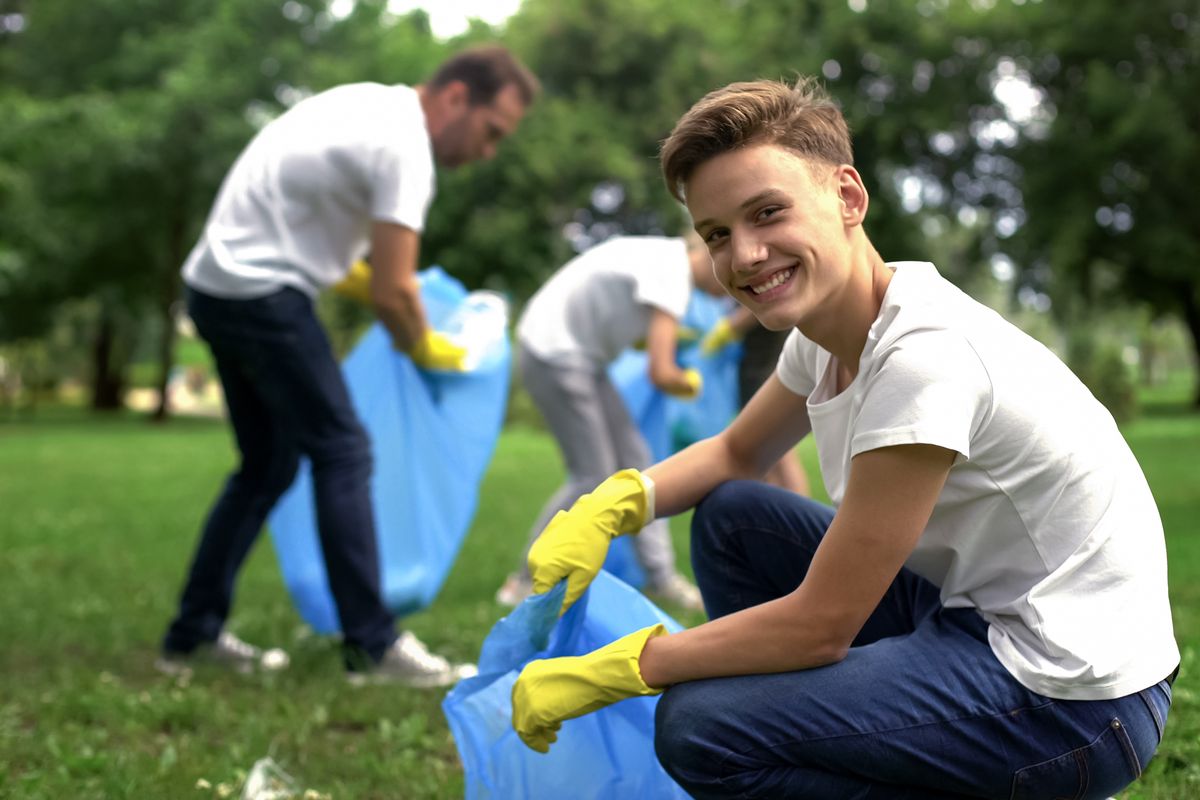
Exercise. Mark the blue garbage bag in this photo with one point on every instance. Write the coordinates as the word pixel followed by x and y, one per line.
pixel 432 436
pixel 689 421
pixel 668 423
pixel 603 755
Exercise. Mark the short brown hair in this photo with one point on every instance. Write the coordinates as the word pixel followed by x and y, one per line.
pixel 803 118
pixel 486 70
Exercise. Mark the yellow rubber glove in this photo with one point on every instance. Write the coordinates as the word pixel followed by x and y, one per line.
pixel 433 351
pixel 719 337
pixel 551 690
pixel 575 543
pixel 695 383
pixel 357 283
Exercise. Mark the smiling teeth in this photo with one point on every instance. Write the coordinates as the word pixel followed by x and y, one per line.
pixel 779 278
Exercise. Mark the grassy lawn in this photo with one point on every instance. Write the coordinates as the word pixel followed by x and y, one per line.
pixel 98 518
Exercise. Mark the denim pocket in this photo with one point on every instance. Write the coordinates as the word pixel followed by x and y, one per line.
pixel 1099 769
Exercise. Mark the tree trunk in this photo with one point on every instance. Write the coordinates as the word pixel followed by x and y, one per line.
pixel 166 344
pixel 1191 317
pixel 107 380
pixel 169 296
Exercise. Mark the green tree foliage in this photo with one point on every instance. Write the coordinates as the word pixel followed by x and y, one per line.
pixel 122 116
pixel 130 113
pixel 1112 215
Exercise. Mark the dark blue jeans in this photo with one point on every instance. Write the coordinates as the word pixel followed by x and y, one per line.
pixel 286 398
pixel 920 708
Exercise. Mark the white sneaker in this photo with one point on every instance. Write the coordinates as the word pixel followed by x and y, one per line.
pixel 678 591
pixel 227 651
pixel 514 591
pixel 408 662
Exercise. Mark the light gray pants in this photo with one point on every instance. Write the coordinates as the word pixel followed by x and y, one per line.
pixel 597 437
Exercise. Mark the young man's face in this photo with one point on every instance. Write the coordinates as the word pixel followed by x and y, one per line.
pixel 777 227
pixel 474 132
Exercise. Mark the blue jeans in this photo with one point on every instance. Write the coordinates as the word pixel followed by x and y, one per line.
pixel 919 708
pixel 286 398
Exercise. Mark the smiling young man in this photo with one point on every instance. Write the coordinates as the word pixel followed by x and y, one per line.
pixel 983 611
pixel 341 173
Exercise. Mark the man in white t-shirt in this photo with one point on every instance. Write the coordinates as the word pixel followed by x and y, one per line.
pixel 340 174
pixel 626 291
pixel 983 612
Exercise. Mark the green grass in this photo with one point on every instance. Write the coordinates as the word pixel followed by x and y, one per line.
pixel 97 521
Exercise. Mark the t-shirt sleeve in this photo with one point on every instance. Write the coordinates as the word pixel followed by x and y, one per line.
pixel 797 369
pixel 403 185
pixel 927 388
pixel 663 278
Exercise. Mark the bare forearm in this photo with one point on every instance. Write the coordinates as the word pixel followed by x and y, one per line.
pixel 742 321
pixel 400 310
pixel 763 639
pixel 684 479
pixel 669 378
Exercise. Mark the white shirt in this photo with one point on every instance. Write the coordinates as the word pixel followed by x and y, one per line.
pixel 1046 524
pixel 598 304
pixel 297 206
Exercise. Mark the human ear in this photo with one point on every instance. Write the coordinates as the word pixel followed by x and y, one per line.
pixel 853 195
pixel 456 94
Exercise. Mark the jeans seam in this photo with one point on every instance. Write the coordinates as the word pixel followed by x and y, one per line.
pixel 884 731
pixel 1127 745
pixel 1159 723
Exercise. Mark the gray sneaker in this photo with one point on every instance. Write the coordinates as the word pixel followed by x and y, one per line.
pixel 679 591
pixel 227 651
pixel 408 662
pixel 514 591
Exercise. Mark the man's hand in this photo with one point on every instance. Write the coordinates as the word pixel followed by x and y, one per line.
pixel 687 389
pixel 433 351
pixel 575 543
pixel 719 337
pixel 549 691
pixel 357 284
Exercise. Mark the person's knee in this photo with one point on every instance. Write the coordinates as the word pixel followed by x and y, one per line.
pixel 681 738
pixel 281 474
pixel 719 509
pixel 347 452
pixel 266 478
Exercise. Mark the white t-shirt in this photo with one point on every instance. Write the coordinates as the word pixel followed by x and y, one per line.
pixel 1046 524
pixel 598 304
pixel 297 206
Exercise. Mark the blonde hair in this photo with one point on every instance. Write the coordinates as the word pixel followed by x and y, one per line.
pixel 802 118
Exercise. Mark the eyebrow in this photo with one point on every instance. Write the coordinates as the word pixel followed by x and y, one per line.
pixel 752 200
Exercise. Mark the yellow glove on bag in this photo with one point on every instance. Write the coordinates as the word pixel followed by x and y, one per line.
pixel 695 383
pixel 551 690
pixel 575 543
pixel 434 351
pixel 721 336
pixel 357 283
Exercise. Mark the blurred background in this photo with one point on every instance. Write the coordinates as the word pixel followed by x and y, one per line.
pixel 1042 154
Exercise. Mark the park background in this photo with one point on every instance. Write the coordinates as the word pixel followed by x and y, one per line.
pixel 1043 154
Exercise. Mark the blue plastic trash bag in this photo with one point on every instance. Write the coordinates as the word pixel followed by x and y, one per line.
pixel 689 421
pixel 646 404
pixel 648 408
pixel 432 435
pixel 667 423
pixel 603 755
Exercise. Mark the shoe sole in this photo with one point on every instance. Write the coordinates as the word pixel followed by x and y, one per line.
pixel 358 679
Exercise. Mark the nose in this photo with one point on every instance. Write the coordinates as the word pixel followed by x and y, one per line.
pixel 748 250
